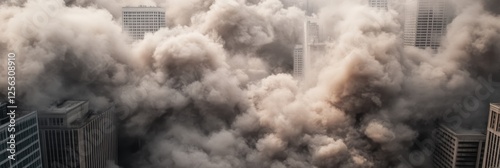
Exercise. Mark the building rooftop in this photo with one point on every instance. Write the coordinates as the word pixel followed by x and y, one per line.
pixel 143 8
pixel 64 107
pixel 69 114
pixel 495 107
pixel 312 19
pixel 462 131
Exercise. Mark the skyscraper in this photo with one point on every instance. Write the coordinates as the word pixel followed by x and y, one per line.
pixel 73 136
pixel 140 20
pixel 311 31
pixel 426 22
pixel 492 152
pixel 26 140
pixel 457 148
pixel 312 42
pixel 298 61
pixel 379 4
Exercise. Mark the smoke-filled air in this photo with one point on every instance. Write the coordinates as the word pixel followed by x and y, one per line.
pixel 214 89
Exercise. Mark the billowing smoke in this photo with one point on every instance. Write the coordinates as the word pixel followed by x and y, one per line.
pixel 213 89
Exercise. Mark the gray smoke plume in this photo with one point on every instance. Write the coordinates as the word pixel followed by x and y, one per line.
pixel 213 89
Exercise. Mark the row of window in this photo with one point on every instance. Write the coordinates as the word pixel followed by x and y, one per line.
pixel 441 160
pixel 493 151
pixel 27 123
pixel 138 12
pixel 494 123
pixel 144 27
pixel 142 30
pixel 61 147
pixel 100 142
pixel 51 121
pixel 143 18
pixel 32 153
pixel 26 142
pixel 36 164
pixel 128 25
pixel 33 130
pixel 144 21
pixel 149 16
pixel 33 160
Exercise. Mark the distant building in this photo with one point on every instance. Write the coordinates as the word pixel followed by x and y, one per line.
pixel 492 152
pixel 458 148
pixel 426 22
pixel 311 31
pixel 298 61
pixel 73 136
pixel 379 4
pixel 140 20
pixel 27 144
pixel 302 54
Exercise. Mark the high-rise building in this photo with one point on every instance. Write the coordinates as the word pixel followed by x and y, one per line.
pixel 379 4
pixel 426 22
pixel 457 148
pixel 492 152
pixel 410 22
pixel 73 136
pixel 311 31
pixel 27 145
pixel 302 55
pixel 298 61
pixel 137 21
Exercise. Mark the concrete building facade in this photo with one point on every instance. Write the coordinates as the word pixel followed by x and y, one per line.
pixel 492 152
pixel 426 22
pixel 72 136
pixel 379 4
pixel 298 61
pixel 457 148
pixel 138 21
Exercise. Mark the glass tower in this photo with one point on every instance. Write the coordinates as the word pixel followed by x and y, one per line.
pixel 27 144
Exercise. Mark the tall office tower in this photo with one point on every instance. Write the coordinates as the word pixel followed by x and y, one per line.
pixel 426 22
pixel 379 4
pixel 311 31
pixel 457 148
pixel 302 54
pixel 140 20
pixel 72 136
pixel 410 22
pixel 26 140
pixel 298 61
pixel 492 152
